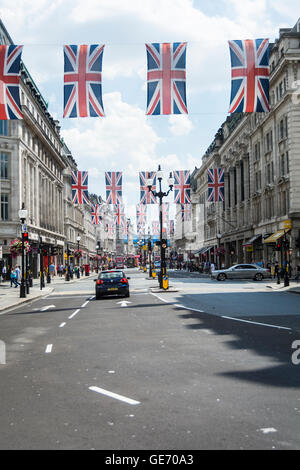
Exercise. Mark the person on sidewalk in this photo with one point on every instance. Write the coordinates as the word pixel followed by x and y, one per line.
pixel 13 278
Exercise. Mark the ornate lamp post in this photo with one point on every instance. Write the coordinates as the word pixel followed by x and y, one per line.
pixel 22 216
pixel 160 195
pixel 78 267
pixel 97 251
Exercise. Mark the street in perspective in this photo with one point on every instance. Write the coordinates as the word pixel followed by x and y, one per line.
pixel 149 229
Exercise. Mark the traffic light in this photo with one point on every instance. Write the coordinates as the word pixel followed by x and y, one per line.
pixel 277 246
pixel 297 242
pixel 149 245
pixel 25 236
pixel 54 250
pixel 44 251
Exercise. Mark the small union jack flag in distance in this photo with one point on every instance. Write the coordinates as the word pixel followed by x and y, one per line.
pixel 215 184
pixel 83 81
pixel 146 197
pixel 113 181
pixel 119 214
pixel 166 78
pixel 172 227
pixel 249 76
pixel 141 214
pixel 80 187
pixel 10 61
pixel 185 212
pixel 96 217
pixel 155 228
pixel 182 187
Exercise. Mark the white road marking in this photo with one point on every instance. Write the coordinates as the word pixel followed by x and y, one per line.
pixel 124 303
pixel 257 323
pixel 43 309
pixel 85 304
pixel 160 298
pixel 74 313
pixel 114 395
pixel 62 325
pixel 189 308
pixel 49 348
pixel 267 430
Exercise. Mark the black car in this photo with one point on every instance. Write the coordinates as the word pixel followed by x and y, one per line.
pixel 112 282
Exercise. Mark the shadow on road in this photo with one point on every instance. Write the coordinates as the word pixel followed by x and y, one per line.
pixel 264 341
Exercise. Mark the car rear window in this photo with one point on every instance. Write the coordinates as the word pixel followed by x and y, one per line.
pixel 113 275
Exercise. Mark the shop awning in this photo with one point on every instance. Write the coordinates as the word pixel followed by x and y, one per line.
pixel 203 250
pixel 275 236
pixel 250 242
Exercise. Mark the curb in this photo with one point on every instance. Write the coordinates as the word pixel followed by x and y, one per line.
pixel 25 300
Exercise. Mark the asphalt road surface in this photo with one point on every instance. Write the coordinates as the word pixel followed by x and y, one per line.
pixel 207 367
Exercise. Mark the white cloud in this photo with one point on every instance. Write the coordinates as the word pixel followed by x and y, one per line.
pixel 180 125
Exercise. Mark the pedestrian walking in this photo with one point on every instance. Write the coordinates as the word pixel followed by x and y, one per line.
pixel 13 278
pixel 52 269
pixel 18 273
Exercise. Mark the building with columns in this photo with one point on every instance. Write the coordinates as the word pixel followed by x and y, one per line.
pixel 260 216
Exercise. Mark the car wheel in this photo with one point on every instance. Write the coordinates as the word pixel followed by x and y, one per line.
pixel 98 296
pixel 258 277
pixel 221 277
pixel 127 295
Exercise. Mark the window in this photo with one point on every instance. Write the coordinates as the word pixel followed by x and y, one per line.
pixel 3 165
pixel 268 141
pixel 3 127
pixel 257 151
pixel 4 206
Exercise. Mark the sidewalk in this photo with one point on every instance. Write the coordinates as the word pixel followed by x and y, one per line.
pixel 10 296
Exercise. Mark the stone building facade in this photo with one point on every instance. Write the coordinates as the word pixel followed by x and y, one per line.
pixel 260 216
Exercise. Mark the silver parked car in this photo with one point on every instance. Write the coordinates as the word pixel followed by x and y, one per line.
pixel 241 271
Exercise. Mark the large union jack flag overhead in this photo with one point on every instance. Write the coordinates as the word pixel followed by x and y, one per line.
pixel 83 81
pixel 182 187
pixel 146 197
pixel 249 76
pixel 215 184
pixel 10 60
pixel 113 181
pixel 166 78
pixel 96 217
pixel 80 187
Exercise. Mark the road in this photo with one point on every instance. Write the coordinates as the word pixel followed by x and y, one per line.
pixel 206 366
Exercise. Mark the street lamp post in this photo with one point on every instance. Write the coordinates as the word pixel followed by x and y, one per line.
pixel 219 236
pixel 78 270
pixel 22 216
pixel 160 195
pixel 97 250
pixel 286 273
pixel 68 267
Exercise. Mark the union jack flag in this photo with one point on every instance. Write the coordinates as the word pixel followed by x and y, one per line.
pixel 155 228
pixel 10 60
pixel 182 187
pixel 119 214
pixel 185 212
pixel 113 180
pixel 83 81
pixel 166 78
pixel 96 217
pixel 146 197
pixel 165 212
pixel 110 230
pixel 141 215
pixel 249 76
pixel 172 227
pixel 215 184
pixel 80 187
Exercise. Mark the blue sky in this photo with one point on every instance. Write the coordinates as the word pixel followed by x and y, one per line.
pixel 126 139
